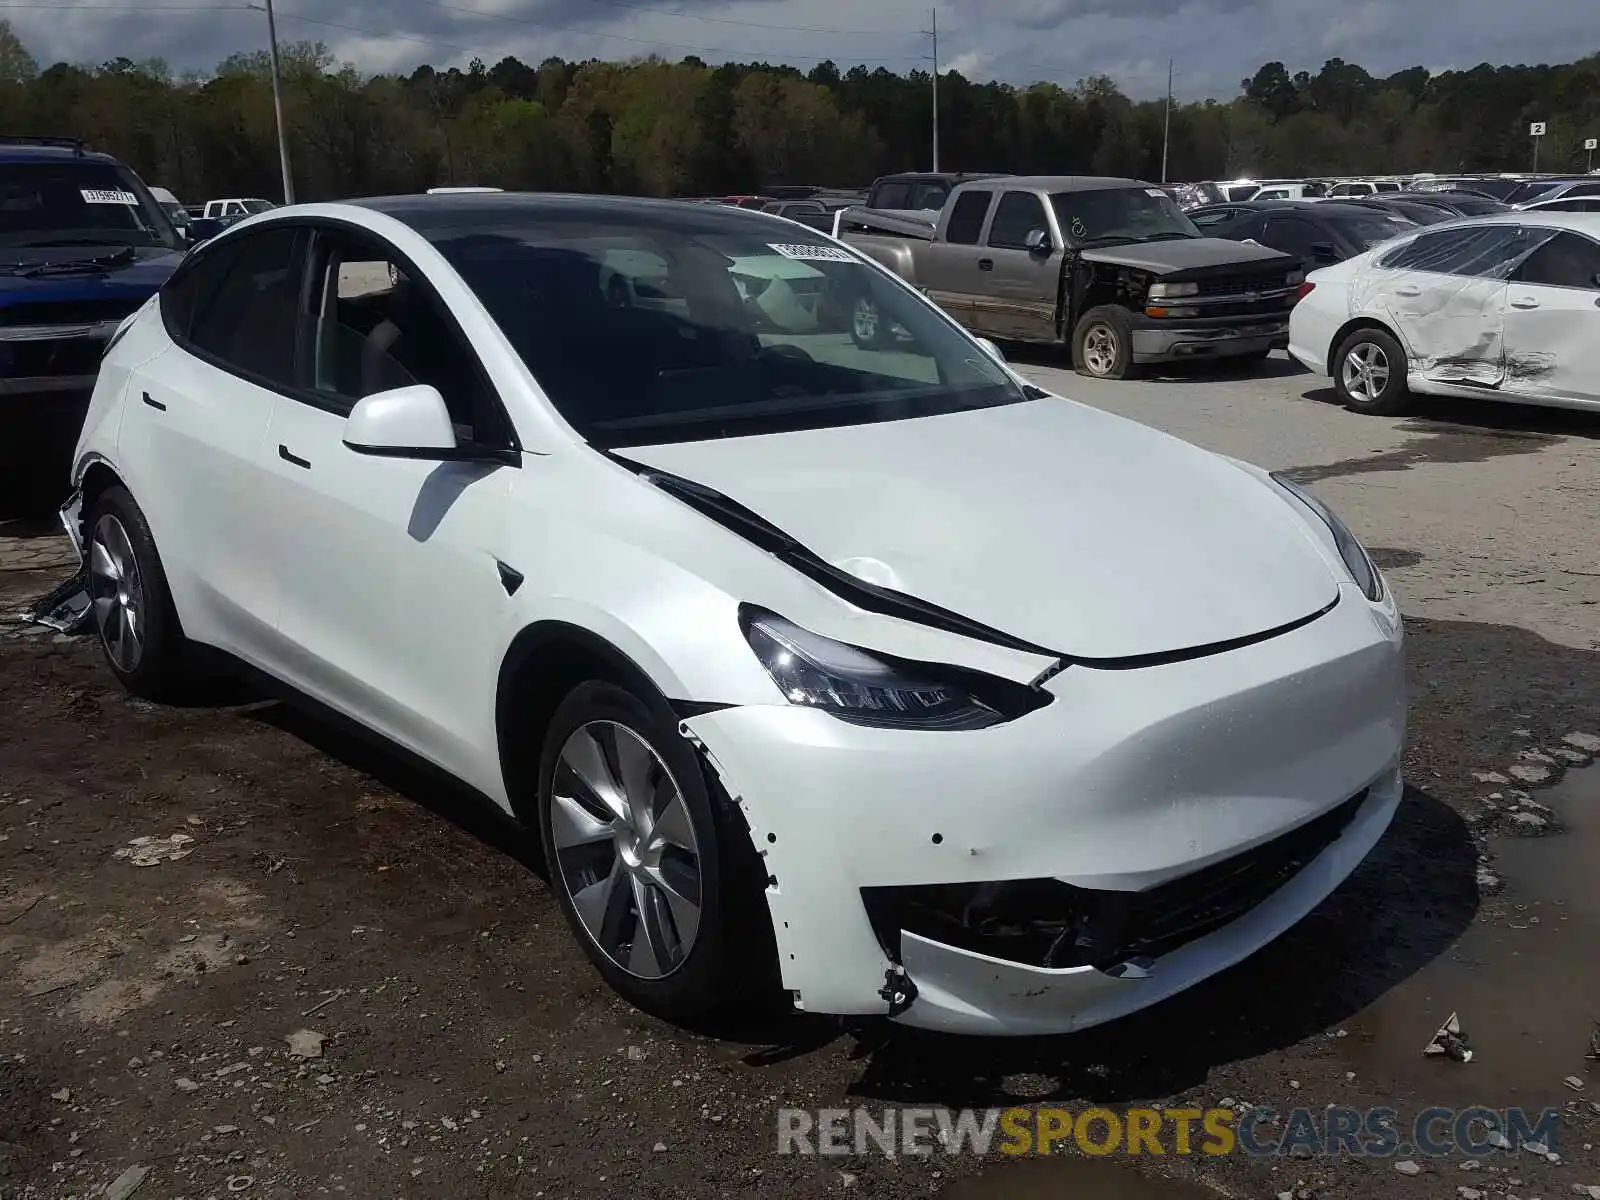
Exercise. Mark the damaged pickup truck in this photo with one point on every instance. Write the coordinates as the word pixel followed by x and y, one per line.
pixel 1109 267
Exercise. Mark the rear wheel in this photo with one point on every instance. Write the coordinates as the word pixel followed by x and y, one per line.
pixel 1102 344
pixel 1369 372
pixel 645 863
pixel 129 601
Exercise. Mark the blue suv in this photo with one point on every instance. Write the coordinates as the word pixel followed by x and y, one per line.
pixel 83 245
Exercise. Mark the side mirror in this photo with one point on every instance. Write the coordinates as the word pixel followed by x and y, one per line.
pixel 413 422
pixel 994 351
pixel 202 229
pixel 1037 241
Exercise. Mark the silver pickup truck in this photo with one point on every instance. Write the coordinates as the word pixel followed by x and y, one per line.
pixel 1109 267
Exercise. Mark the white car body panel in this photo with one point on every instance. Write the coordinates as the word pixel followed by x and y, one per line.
pixel 1464 336
pixel 377 585
pixel 1012 486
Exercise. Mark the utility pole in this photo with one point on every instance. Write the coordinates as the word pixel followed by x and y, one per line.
pixel 1166 123
pixel 277 108
pixel 934 33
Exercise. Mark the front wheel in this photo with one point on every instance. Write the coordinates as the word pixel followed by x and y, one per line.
pixel 1102 344
pixel 1369 373
pixel 645 864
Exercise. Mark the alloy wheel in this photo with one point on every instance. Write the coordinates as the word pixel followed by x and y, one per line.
pixel 116 594
pixel 1365 371
pixel 625 849
pixel 1100 349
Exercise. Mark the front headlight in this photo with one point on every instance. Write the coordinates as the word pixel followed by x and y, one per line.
pixel 1167 291
pixel 1354 554
pixel 867 688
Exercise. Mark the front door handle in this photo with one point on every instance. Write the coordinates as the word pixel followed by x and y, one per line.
pixel 289 457
pixel 1408 289
pixel 1524 302
pixel 155 404
pixel 986 264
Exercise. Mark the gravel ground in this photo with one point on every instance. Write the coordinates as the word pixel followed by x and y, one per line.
pixel 352 981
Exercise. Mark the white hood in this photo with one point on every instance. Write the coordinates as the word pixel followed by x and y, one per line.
pixel 1050 521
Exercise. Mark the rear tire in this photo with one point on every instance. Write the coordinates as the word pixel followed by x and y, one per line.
pixel 639 848
pixel 1102 344
pixel 130 602
pixel 1369 373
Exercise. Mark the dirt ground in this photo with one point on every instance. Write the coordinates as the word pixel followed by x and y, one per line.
pixel 160 1017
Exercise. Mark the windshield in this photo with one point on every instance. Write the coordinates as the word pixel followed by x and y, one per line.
pixel 76 202
pixel 646 329
pixel 1367 231
pixel 1109 216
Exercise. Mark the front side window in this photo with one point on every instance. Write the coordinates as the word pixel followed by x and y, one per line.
pixel 1367 230
pixel 1490 251
pixel 1567 260
pixel 1115 216
pixel 78 202
pixel 750 330
pixel 374 328
pixel 1017 215
pixel 245 320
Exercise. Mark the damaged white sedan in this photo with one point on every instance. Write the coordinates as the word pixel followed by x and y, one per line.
pixel 875 675
pixel 1503 307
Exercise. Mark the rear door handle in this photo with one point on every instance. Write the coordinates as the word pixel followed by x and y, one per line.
pixel 986 264
pixel 288 457
pixel 1524 302
pixel 155 404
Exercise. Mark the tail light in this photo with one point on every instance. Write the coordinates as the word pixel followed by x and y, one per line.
pixel 1303 291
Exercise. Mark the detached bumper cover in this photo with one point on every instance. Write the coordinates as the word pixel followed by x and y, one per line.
pixel 1132 782
pixel 1163 340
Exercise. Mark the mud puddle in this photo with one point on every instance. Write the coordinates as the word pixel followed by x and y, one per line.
pixel 1080 1178
pixel 1524 978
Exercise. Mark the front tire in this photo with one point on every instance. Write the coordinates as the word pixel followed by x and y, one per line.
pixel 645 864
pixel 1102 344
pixel 129 600
pixel 1369 373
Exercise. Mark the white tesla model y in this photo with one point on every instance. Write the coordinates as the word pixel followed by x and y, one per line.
pixel 878 673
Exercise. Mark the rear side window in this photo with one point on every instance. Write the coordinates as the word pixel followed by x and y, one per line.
pixel 966 219
pixel 246 322
pixel 1490 251
pixel 892 196
pixel 190 289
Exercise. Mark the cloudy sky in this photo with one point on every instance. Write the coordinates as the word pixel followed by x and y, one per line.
pixel 1214 42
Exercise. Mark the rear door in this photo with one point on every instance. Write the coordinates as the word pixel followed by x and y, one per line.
pixel 1552 317
pixel 1445 294
pixel 948 268
pixel 195 428
pixel 1022 286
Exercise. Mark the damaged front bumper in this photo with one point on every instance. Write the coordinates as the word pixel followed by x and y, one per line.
pixel 1157 339
pixel 1147 829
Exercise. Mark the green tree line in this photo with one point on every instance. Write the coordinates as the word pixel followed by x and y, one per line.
pixel 687 128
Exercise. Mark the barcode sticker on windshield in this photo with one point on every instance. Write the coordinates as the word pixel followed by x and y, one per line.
pixel 102 196
pixel 813 253
pixel 1156 192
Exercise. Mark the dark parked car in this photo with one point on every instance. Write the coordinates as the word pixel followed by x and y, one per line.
pixel 83 244
pixel 918 191
pixel 1429 208
pixel 1318 233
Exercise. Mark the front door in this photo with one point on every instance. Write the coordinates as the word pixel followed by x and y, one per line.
pixel 1019 301
pixel 1552 316
pixel 391 586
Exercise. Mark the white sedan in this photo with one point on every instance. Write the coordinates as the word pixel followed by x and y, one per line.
pixel 1504 307
pixel 880 677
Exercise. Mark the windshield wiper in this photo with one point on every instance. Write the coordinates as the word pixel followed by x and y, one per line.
pixel 89 265
pixel 1170 236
